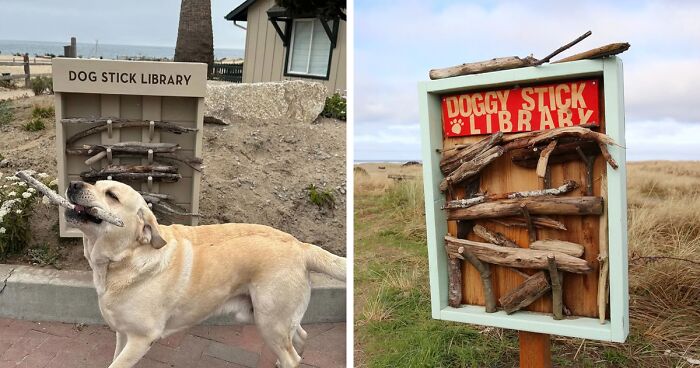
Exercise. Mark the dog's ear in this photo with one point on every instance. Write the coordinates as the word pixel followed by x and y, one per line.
pixel 148 234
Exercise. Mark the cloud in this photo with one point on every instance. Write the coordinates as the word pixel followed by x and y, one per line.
pixel 397 45
pixel 662 140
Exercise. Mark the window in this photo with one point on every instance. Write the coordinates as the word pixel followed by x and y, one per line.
pixel 309 53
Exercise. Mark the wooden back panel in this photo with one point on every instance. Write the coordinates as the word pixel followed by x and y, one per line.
pixel 501 176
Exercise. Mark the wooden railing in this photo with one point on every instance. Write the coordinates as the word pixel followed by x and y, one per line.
pixel 227 72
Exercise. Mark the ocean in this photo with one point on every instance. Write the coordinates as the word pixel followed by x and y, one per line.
pixel 107 51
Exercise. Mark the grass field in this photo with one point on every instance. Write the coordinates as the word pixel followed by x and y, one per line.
pixel 392 306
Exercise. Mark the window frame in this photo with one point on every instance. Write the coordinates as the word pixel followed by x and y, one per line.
pixel 288 57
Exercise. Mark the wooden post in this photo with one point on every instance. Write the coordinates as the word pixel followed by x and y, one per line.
pixel 27 76
pixel 535 350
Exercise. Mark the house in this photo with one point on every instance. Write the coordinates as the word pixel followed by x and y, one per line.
pixel 284 46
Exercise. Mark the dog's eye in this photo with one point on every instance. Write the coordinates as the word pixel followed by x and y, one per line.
pixel 112 195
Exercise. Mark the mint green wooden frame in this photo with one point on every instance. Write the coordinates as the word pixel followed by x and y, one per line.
pixel 610 69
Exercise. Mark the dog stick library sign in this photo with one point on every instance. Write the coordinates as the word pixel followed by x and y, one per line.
pixel 138 122
pixel 525 196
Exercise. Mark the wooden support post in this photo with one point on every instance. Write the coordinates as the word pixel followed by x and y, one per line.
pixel 535 350
pixel 555 276
pixel 27 75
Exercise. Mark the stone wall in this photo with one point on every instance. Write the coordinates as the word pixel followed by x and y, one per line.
pixel 298 100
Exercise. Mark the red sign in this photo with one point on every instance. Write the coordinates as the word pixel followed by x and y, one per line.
pixel 525 109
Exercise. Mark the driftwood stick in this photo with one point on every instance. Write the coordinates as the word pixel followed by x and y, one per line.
pixel 502 63
pixel 520 257
pixel 578 206
pixel 568 186
pixel 540 222
pixel 603 264
pixel 588 161
pixel 154 195
pixel 494 237
pixel 121 123
pixel 607 156
pixel 563 48
pixel 471 168
pixel 133 172
pixel 454 295
pixel 485 272
pixel 127 147
pixel 55 198
pixel 556 288
pixel 544 159
pixel 531 232
pixel 457 251
pixel 598 52
pixel 96 158
pixel 456 156
pixel 529 157
pixel 171 209
pixel 531 139
pixel 526 293
pixel 572 249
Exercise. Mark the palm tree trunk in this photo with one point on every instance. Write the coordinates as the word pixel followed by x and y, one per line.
pixel 195 39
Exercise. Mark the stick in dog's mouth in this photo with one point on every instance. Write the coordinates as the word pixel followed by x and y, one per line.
pixel 94 214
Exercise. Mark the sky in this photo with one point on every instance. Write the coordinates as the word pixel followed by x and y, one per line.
pixel 123 22
pixel 396 44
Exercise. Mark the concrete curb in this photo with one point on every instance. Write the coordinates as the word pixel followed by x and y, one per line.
pixel 41 294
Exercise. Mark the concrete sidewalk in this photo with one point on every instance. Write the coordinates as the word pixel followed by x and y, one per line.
pixel 62 345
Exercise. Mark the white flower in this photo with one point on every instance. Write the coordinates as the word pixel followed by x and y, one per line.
pixel 26 195
pixel 18 212
pixel 45 200
pixel 12 194
pixel 43 175
pixel 31 190
pixel 22 184
pixel 53 182
pixel 2 230
pixel 11 178
pixel 4 186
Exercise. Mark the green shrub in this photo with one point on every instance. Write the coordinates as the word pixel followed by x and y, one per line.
pixel 16 206
pixel 8 83
pixel 6 112
pixel 44 255
pixel 40 85
pixel 321 198
pixel 335 107
pixel 42 112
pixel 35 125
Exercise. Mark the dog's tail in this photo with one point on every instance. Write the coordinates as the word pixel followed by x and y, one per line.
pixel 320 260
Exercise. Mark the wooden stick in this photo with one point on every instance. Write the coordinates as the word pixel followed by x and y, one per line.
pixel 171 209
pixel 544 159
pixel 494 237
pixel 588 205
pixel 529 157
pixel 502 63
pixel 520 257
pixel 588 161
pixel 607 156
pixel 540 222
pixel 456 156
pixel 572 249
pixel 119 124
pixel 128 147
pixel 556 287
pixel 526 293
pixel 485 272
pixel 471 168
pixel 563 48
pixel 598 52
pixel 166 157
pixel 454 295
pixel 568 186
pixel 532 234
pixel 55 198
pixel 603 264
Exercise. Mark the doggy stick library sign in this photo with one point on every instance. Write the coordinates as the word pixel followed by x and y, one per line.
pixel 524 174
pixel 136 122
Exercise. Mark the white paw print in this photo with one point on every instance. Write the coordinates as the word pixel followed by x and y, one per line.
pixel 456 125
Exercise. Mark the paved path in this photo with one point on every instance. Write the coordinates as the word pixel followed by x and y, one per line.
pixel 61 345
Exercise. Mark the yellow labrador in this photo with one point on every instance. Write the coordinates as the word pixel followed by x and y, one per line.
pixel 154 280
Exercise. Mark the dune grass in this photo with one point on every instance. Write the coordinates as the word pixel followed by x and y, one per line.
pixel 393 323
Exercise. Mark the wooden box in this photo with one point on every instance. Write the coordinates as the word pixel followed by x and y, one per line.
pixel 580 291
pixel 133 91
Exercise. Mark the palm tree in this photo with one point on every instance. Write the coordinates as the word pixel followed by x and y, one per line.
pixel 195 39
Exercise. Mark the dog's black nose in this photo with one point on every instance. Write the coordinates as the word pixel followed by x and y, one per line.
pixel 75 186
